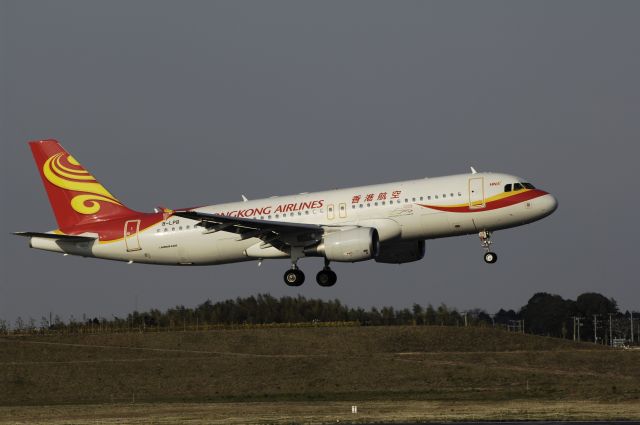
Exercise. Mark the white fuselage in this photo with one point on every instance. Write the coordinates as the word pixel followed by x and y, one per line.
pixel 407 210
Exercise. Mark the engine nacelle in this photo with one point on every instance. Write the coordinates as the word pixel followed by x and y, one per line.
pixel 401 252
pixel 349 245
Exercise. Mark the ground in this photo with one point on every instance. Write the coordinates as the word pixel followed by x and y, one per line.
pixel 313 375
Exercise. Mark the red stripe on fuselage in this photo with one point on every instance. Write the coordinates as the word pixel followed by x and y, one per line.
pixel 493 205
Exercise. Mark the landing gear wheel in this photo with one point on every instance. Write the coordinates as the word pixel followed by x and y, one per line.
pixel 294 277
pixel 490 257
pixel 326 277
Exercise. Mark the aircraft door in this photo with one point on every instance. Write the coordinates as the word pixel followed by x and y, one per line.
pixel 131 239
pixel 476 193
pixel 343 210
pixel 331 214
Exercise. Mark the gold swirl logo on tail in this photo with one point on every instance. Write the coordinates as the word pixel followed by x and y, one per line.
pixel 74 177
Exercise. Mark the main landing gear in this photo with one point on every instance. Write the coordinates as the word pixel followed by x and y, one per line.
pixel 485 240
pixel 325 277
pixel 294 277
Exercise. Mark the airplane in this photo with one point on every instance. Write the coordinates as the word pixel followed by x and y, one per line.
pixel 387 223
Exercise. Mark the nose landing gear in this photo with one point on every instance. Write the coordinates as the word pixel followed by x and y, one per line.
pixel 485 240
pixel 490 257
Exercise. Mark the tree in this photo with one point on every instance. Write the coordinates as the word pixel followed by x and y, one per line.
pixel 547 314
pixel 590 304
pixel 418 314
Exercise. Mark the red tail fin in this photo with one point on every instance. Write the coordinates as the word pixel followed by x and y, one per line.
pixel 75 195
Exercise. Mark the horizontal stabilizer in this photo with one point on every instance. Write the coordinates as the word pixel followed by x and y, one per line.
pixel 70 238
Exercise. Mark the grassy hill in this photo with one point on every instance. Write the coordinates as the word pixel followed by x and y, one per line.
pixel 323 363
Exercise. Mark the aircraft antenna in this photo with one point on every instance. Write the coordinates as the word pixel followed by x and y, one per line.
pixel 473 170
pixel 244 198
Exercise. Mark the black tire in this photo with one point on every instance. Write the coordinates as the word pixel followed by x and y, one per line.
pixel 326 278
pixel 490 257
pixel 294 277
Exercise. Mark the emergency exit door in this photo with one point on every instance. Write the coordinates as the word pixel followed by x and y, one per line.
pixel 131 238
pixel 476 193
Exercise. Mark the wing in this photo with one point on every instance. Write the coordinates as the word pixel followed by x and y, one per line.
pixel 70 238
pixel 280 234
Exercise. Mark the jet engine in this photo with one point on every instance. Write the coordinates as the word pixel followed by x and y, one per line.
pixel 399 252
pixel 352 245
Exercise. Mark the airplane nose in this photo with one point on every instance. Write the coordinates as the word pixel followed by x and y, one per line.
pixel 549 203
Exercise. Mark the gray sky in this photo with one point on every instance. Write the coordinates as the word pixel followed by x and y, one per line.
pixel 189 103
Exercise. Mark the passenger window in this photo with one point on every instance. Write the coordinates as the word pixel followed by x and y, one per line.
pixel 507 187
pixel 444 195
pixel 517 186
pixel 429 197
pixel 436 196
pixel 414 199
pixel 406 200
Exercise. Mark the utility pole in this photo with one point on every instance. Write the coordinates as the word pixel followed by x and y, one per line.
pixel 576 325
pixel 595 328
pixel 579 326
pixel 610 331
pixel 632 327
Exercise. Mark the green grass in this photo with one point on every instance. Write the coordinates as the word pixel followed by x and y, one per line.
pixel 303 364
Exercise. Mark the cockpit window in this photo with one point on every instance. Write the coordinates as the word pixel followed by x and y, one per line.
pixel 507 187
pixel 528 185
pixel 517 186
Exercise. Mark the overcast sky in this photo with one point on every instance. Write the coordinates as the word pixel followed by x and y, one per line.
pixel 190 103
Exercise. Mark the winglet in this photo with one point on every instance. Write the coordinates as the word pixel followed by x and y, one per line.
pixel 473 170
